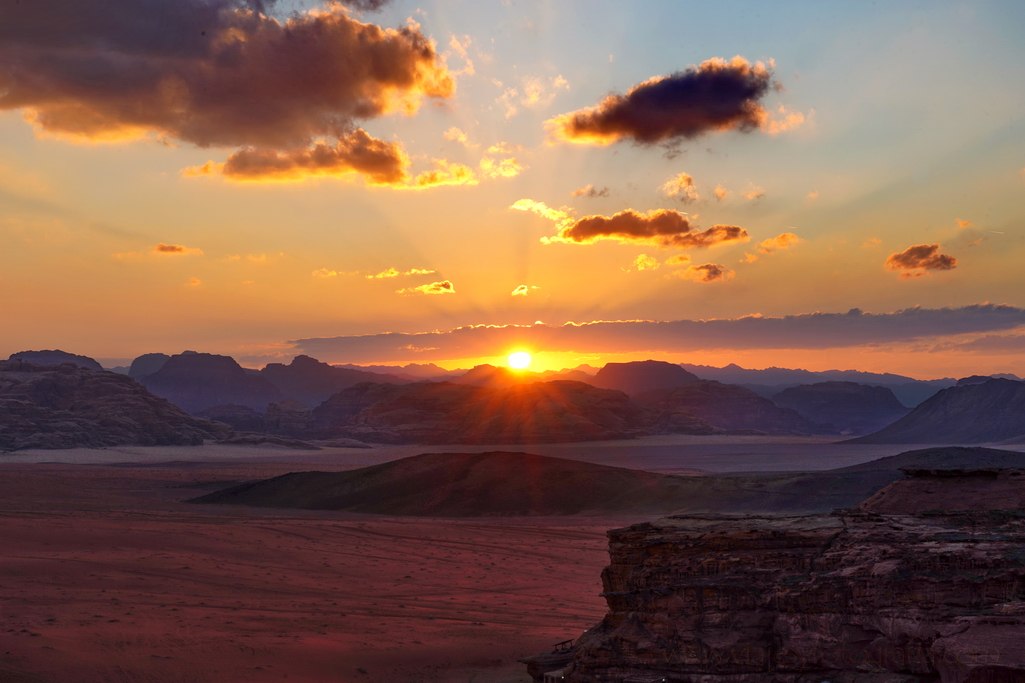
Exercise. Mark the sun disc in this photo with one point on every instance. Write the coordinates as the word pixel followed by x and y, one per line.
pixel 519 360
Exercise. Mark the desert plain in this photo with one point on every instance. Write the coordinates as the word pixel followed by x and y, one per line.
pixel 108 574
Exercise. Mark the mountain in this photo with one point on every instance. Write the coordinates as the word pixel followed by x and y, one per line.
pixel 67 406
pixel 197 381
pixel 466 484
pixel 990 411
pixel 722 407
pixel 56 357
pixel 413 372
pixel 640 377
pixel 309 382
pixel 771 381
pixel 445 412
pixel 845 407
pixel 147 364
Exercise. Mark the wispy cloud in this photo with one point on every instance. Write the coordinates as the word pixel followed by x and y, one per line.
pixel 440 287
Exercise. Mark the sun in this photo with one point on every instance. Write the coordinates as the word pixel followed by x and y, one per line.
pixel 519 360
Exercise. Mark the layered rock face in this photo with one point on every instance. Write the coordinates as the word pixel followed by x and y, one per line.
pixel 863 595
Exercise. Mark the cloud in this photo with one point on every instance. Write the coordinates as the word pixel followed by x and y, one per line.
pixel 681 186
pixel 782 241
pixel 541 209
pixel 707 272
pixel 460 46
pixel 176 250
pixel 720 193
pixel 754 193
pixel 533 92
pixel 217 73
pixel 457 135
pixel 918 259
pixel 441 287
pixel 390 273
pixel 854 328
pixel 871 243
pixel 678 260
pixel 445 173
pixel 379 162
pixel 324 273
pixel 644 262
pixel 591 191
pixel 660 227
pixel 716 95
pixel 498 161
pixel 523 290
pixel 963 223
pixel 193 282
pixel 783 120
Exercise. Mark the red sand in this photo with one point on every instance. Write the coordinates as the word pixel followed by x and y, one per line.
pixel 106 576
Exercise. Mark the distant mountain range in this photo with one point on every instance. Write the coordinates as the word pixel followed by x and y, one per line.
pixel 309 399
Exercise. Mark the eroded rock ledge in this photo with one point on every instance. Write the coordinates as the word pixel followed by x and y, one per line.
pixel 868 595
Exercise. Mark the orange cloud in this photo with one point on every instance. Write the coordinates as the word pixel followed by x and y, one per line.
pixel 591 191
pixel 681 186
pixel 918 259
pixel 716 95
pixel 324 273
pixel 395 272
pixel 754 192
pixel 523 290
pixel 498 162
pixel 441 287
pixel 661 227
pixel 644 262
pixel 533 92
pixel 445 173
pixel 720 193
pixel 708 272
pixel 176 250
pixel 784 240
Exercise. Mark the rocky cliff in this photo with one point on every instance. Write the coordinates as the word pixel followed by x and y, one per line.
pixel 893 591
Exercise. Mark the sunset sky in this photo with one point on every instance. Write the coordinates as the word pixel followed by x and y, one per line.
pixel 448 181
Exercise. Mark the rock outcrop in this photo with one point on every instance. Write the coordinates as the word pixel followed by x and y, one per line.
pixel 67 406
pixel 989 411
pixel 911 586
pixel 639 377
pixel 843 407
pixel 309 382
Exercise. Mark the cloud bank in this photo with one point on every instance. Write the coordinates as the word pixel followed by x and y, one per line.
pixel 806 331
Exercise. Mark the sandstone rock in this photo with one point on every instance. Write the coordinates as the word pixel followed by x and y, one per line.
pixel 843 407
pixel 922 595
pixel 56 357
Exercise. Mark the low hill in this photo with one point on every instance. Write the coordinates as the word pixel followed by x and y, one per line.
pixel 56 357
pixel 640 377
pixel 844 407
pixel 310 382
pixel 67 406
pixel 986 412
pixel 444 412
pixel 465 485
pixel 197 381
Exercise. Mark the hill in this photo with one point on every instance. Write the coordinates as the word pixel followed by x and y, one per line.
pixel 446 412
pixel 466 484
pixel 844 407
pixel 986 412
pixel 67 406
pixel 56 357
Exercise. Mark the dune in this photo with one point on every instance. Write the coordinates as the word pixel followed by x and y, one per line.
pixel 467 484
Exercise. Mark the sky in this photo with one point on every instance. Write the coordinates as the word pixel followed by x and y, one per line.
pixel 800 184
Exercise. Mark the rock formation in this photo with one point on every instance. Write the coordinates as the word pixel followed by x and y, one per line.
pixel 640 377
pixel 975 412
pixel 147 364
pixel 924 581
pixel 309 382
pixel 67 406
pixel 843 407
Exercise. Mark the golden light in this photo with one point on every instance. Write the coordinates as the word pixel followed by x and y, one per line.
pixel 519 360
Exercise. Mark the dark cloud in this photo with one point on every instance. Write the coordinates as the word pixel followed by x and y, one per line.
pixel 209 72
pixel 664 227
pixel 707 272
pixel 807 331
pixel 176 249
pixel 715 95
pixel 917 259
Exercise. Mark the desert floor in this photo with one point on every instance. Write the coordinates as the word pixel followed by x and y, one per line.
pixel 107 575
